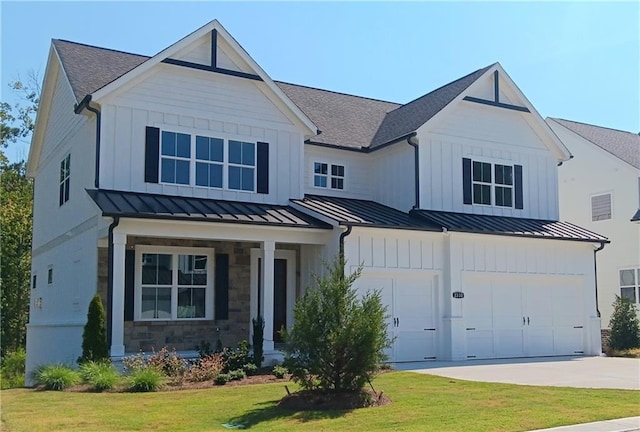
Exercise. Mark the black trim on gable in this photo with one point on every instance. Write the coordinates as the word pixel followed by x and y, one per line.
pixel 496 104
pixel 496 87
pixel 214 48
pixel 211 69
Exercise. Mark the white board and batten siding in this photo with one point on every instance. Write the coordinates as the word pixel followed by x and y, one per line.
pixel 393 176
pixel 486 134
pixel 357 175
pixel 191 101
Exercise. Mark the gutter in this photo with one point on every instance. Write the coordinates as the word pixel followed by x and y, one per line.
pixel 114 224
pixel 595 274
pixel 342 236
pixel 416 167
pixel 85 103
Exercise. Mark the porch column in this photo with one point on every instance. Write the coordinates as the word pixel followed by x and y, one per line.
pixel 117 305
pixel 268 255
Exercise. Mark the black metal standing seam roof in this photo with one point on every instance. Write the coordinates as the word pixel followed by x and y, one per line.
pixel 152 206
pixel 623 145
pixel 636 217
pixel 356 212
pixel 511 226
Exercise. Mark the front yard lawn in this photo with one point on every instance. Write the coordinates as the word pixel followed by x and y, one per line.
pixel 420 402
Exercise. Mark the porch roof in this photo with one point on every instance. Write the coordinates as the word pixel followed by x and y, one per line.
pixel 153 206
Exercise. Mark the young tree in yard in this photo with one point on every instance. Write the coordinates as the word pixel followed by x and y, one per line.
pixel 338 338
pixel 624 325
pixel 94 336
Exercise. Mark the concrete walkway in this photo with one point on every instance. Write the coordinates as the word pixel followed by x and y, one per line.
pixel 628 424
pixel 583 372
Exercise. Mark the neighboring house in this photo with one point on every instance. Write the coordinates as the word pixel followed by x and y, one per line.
pixel 600 190
pixel 193 193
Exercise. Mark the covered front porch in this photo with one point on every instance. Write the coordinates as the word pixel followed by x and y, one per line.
pixel 184 283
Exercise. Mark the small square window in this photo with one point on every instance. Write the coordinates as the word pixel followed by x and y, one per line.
pixel 50 276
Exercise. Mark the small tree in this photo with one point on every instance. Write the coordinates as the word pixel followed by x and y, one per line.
pixel 338 339
pixel 624 325
pixel 258 340
pixel 94 336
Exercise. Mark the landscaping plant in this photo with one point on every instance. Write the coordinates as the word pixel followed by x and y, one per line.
pixel 145 379
pixel 258 340
pixel 12 369
pixel 99 375
pixel 624 325
pixel 236 358
pixel 205 369
pixel 56 377
pixel 94 336
pixel 279 371
pixel 338 339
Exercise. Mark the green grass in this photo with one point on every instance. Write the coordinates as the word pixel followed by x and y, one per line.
pixel 420 403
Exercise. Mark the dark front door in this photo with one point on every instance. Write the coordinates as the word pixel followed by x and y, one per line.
pixel 279 297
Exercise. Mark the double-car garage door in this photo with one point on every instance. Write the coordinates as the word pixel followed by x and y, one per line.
pixel 507 316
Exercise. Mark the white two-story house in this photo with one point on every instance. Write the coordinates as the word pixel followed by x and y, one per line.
pixel 600 190
pixel 194 193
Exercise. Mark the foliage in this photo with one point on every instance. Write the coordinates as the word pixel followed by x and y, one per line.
pixel 237 375
pixel 145 379
pixel 204 349
pixel 100 375
pixel 258 340
pixel 168 362
pixel 18 120
pixel 12 369
pixel 250 369
pixel 624 325
pixel 280 371
pixel 56 377
pixel 629 353
pixel 94 335
pixel 134 363
pixel 236 358
pixel 205 369
pixel 338 339
pixel 222 379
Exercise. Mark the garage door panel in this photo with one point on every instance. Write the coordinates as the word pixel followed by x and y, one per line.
pixel 477 307
pixel 480 343
pixel 509 342
pixel 415 345
pixel 568 341
pixel 540 341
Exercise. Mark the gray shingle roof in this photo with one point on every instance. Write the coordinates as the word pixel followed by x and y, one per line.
pixel 623 145
pixel 347 121
pixel 153 206
pixel 90 68
pixel 509 226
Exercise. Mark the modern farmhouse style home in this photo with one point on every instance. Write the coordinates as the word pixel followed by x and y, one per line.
pixel 194 193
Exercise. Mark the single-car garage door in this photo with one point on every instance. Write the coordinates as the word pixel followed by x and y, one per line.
pixel 410 305
pixel 523 317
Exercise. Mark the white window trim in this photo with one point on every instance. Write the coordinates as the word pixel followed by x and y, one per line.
pixel 636 286
pixel 493 183
pixel 226 137
pixel 328 175
pixel 209 293
pixel 590 208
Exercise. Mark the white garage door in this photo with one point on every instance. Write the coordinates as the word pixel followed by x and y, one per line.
pixel 508 317
pixel 411 308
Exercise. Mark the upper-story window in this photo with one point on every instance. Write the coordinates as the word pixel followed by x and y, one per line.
pixel 487 183
pixel 242 163
pixel 601 207
pixel 630 284
pixel 65 177
pixel 324 178
pixel 209 161
pixel 175 157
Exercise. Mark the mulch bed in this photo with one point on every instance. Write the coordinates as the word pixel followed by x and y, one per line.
pixel 315 400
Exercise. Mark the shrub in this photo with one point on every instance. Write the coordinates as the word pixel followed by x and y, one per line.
pixel 94 335
pixel 134 363
pixel 624 325
pixel 12 369
pixel 205 369
pixel 250 369
pixel 236 358
pixel 279 371
pixel 338 339
pixel 258 340
pixel 56 377
pixel 221 379
pixel 146 379
pixel 168 362
pixel 204 349
pixel 237 375
pixel 99 375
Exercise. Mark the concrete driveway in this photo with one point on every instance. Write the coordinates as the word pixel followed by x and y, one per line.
pixel 585 372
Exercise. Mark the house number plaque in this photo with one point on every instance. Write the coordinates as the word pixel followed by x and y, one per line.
pixel 458 294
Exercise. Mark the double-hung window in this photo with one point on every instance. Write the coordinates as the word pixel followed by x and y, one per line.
pixel 337 176
pixel 486 183
pixel 175 159
pixel 504 185
pixel 174 284
pixel 482 183
pixel 242 165
pixel 209 161
pixel 325 178
pixel 320 174
pixel 630 284
pixel 65 177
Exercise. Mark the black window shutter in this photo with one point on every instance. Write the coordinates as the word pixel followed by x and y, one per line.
pixel 129 281
pixel 263 168
pixel 221 297
pixel 151 154
pixel 517 171
pixel 466 181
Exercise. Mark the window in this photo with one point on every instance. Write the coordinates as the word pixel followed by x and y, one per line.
pixel 33 281
pixel 242 162
pixel 481 183
pixel 65 174
pixel 49 275
pixel 492 184
pixel 601 207
pixel 504 185
pixel 175 157
pixel 322 178
pixel 174 284
pixel 630 284
pixel 209 161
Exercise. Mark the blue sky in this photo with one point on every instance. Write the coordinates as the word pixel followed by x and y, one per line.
pixel 575 60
